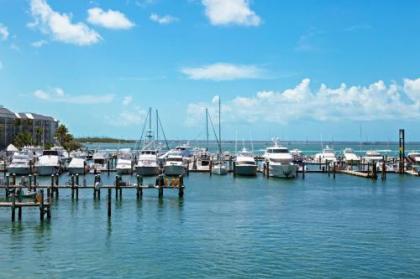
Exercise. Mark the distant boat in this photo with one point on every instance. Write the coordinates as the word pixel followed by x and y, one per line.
pixel 76 166
pixel 219 166
pixel 48 163
pixel 124 163
pixel 245 163
pixel 350 157
pixel 327 155
pixel 100 161
pixel 147 164
pixel 174 164
pixel 373 156
pixel 279 162
pixel 21 163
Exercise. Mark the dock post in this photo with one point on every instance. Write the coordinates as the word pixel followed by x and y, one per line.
pixel 13 207
pixel 30 181
pixel 72 187
pixel 181 187
pixel 234 168
pixel 52 185
pixel 35 181
pixel 374 171
pixel 20 213
pixel 210 166
pixel 139 192
pixel 108 166
pixel 334 166
pixel 41 206
pixel 402 151
pixel 109 202
pixel 7 185
pixel 57 177
pixel 14 179
pixel 267 169
pixel 117 185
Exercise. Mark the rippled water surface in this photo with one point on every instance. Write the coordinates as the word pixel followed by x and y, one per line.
pixel 225 227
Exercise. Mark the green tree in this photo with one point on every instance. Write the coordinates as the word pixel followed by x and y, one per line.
pixel 22 139
pixel 66 139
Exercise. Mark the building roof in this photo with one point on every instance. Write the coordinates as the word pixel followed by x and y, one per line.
pixel 5 113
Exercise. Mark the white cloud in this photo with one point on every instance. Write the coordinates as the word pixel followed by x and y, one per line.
pixel 1 65
pixel 109 19
pixel 166 19
pixel 230 12
pixel 130 116
pixel 223 71
pixel 4 32
pixel 39 43
pixel 127 100
pixel 57 95
pixel 376 101
pixel 60 26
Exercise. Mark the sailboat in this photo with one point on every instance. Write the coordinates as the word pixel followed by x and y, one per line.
pixel 219 167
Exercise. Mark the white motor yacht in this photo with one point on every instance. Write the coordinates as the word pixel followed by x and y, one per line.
pixel 414 157
pixel 174 164
pixel 48 163
pixel 124 163
pixel 21 163
pixel 327 155
pixel 76 166
pixel 280 162
pixel 372 156
pixel 350 157
pixel 245 164
pixel 100 161
pixel 147 164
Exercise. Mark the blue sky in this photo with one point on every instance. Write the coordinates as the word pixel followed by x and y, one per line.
pixel 292 69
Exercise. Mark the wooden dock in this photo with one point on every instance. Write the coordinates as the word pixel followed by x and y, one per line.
pixel 15 201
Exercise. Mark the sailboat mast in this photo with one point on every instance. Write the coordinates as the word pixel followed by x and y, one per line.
pixel 157 126
pixel 220 130
pixel 207 128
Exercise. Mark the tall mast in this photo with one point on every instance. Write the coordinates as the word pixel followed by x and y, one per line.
pixel 207 128
pixel 157 126
pixel 220 131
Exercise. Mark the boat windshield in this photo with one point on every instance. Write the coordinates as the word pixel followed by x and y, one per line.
pixel 277 150
pixel 175 159
pixel 50 152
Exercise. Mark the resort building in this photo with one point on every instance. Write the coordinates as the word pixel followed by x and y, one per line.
pixel 41 128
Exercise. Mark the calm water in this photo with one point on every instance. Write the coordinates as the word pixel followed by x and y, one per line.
pixel 226 227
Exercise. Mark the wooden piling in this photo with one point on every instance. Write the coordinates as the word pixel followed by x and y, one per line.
pixel 139 190
pixel 109 202
pixel 334 169
pixel 41 207
pixel 383 176
pixel 72 187
pixel 20 213
pixel 13 207
pixel 303 170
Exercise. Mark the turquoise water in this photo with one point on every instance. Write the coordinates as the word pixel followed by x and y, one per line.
pixel 309 148
pixel 225 227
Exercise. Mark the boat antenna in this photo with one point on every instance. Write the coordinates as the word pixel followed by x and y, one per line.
pixel 220 130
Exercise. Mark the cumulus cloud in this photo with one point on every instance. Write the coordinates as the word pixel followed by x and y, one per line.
pixel 230 12
pixel 376 101
pixel 1 65
pixel 4 32
pixel 166 19
pixel 57 95
pixel 60 26
pixel 223 71
pixel 109 19
pixel 128 117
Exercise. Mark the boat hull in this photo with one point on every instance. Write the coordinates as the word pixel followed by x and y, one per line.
pixel 147 171
pixel 174 170
pixel 246 170
pixel 283 171
pixel 47 170
pixel 19 170
pixel 122 171
pixel 76 170
pixel 219 170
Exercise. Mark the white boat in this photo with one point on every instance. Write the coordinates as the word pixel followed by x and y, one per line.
pixel 219 168
pixel 76 166
pixel 185 149
pixel 147 164
pixel 174 164
pixel 297 155
pixel 414 157
pixel 350 157
pixel 124 162
pixel 373 156
pixel 245 164
pixel 279 162
pixel 100 161
pixel 21 163
pixel 327 155
pixel 48 163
